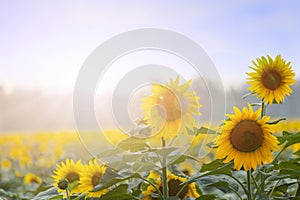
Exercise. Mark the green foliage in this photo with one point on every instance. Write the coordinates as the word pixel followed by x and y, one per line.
pixel 133 144
pixel 51 193
pixel 120 192
pixel 276 122
pixel 207 197
pixel 289 138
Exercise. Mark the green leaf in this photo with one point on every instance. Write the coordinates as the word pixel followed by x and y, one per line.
pixel 220 169
pixel 292 173
pixel 177 159
pixel 206 197
pixel 289 138
pixel 283 187
pixel 289 164
pixel 223 185
pixel 226 169
pixel 120 192
pixel 164 151
pixel 114 181
pixel 134 144
pixel 204 130
pixel 255 104
pixel 73 185
pixel 276 122
pixel 212 165
pixel 48 194
pixel 140 166
pixel 263 196
pixel 297 153
pixel 10 195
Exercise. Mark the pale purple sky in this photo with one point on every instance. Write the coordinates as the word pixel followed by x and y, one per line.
pixel 44 43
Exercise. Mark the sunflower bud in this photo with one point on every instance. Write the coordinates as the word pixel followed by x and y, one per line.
pixel 63 184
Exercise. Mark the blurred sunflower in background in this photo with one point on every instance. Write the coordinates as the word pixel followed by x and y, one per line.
pixel 70 171
pixel 90 177
pixel 271 79
pixel 5 164
pixel 174 185
pixel 246 139
pixel 31 178
pixel 170 109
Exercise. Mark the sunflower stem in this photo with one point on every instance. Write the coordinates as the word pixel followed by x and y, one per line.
pixel 153 185
pixel 262 109
pixel 249 183
pixel 254 181
pixel 270 195
pixel 276 157
pixel 241 184
pixel 68 195
pixel 164 172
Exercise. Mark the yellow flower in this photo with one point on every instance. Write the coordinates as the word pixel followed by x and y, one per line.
pixel 31 178
pixel 170 109
pixel 18 174
pixel 90 177
pixel 70 171
pixel 187 168
pixel 246 139
pixel 271 79
pixel 174 185
pixel 5 164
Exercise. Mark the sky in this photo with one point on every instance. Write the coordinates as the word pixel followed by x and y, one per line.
pixel 43 44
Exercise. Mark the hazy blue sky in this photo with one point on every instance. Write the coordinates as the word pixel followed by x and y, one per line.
pixel 44 43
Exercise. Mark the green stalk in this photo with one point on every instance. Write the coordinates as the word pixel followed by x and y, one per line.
pixel 249 184
pixel 241 184
pixel 164 172
pixel 68 195
pixel 276 157
pixel 153 185
pixel 262 109
pixel 254 181
pixel 270 195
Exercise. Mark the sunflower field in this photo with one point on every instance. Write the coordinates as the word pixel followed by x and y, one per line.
pixel 168 155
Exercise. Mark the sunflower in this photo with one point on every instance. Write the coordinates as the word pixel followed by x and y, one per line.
pixel 246 139
pixel 271 79
pixel 70 171
pixel 170 109
pixel 31 178
pixel 174 185
pixel 5 164
pixel 90 177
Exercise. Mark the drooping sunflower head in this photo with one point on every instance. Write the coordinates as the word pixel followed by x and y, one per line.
pixel 174 185
pixel 170 109
pixel 271 79
pixel 90 177
pixel 246 139
pixel 31 178
pixel 70 171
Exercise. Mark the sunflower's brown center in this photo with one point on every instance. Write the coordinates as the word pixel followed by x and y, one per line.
pixel 174 187
pixel 96 178
pixel 170 108
pixel 271 79
pixel 246 136
pixel 72 176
